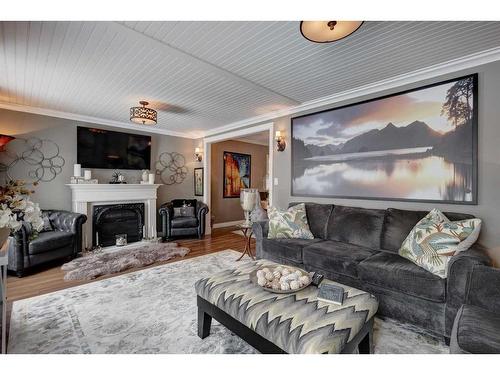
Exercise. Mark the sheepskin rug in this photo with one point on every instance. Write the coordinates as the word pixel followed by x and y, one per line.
pixel 108 262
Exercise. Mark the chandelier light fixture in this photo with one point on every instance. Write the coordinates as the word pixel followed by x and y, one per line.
pixel 328 31
pixel 143 115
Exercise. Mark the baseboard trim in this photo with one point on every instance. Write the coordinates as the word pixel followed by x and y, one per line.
pixel 228 224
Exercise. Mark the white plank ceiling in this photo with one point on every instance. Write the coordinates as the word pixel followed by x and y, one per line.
pixel 203 75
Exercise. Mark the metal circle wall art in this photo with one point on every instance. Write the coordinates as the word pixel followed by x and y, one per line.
pixel 171 167
pixel 41 156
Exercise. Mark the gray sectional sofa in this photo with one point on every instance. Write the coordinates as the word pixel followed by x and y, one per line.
pixel 477 325
pixel 359 247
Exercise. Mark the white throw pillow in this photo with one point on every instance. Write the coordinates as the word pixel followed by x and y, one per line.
pixel 291 223
pixel 435 240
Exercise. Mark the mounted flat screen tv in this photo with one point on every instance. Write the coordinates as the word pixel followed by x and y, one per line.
pixel 98 148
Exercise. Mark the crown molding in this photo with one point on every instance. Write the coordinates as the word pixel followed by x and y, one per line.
pixel 449 67
pixel 95 120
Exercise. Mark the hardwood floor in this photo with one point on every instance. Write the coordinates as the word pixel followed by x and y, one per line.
pixel 51 279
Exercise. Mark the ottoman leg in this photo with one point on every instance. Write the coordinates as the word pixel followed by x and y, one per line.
pixel 204 323
pixel 366 344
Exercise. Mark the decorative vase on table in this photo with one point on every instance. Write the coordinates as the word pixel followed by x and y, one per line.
pixel 248 200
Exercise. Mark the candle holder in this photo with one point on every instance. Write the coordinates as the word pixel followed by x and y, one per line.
pixel 248 200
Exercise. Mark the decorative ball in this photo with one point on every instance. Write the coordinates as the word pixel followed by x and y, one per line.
pixel 279 268
pixel 276 274
pixel 276 285
pixel 269 276
pixel 298 273
pixel 304 280
pixel 283 279
pixel 285 286
pixel 260 273
pixel 261 281
pixel 294 285
pixel 265 270
pixel 293 276
pixel 285 272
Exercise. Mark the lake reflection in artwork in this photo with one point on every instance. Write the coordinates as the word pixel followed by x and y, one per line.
pixel 409 146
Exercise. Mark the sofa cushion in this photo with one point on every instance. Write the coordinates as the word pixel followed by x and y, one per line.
pixel 184 222
pixel 182 202
pixel 476 331
pixel 48 241
pixel 338 257
pixel 395 273
pixel 287 248
pixel 399 223
pixel 357 226
pixel 317 217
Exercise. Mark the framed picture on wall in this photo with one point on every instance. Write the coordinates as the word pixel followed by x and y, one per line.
pixel 236 172
pixel 198 182
pixel 416 145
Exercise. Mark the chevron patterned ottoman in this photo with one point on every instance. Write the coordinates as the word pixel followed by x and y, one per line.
pixel 285 323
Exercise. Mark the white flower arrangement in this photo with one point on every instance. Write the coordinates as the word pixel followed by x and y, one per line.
pixel 16 208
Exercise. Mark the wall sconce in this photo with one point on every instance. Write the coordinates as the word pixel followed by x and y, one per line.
pixel 198 154
pixel 280 141
pixel 4 139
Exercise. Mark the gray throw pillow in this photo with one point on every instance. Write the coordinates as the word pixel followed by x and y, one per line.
pixel 47 225
pixel 184 211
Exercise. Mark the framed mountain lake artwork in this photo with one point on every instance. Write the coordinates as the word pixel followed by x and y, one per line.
pixel 416 145
pixel 237 173
pixel 198 182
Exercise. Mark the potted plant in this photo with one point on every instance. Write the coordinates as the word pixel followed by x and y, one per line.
pixel 16 208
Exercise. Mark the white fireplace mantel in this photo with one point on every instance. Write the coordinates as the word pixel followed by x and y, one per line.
pixel 85 196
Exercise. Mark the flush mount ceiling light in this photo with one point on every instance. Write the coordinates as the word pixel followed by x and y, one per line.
pixel 328 31
pixel 143 115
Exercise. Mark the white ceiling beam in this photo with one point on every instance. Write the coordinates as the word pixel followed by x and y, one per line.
pixel 201 63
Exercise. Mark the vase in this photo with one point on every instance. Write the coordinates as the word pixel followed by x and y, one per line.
pixel 248 200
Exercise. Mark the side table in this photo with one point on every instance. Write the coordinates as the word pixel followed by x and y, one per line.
pixel 247 233
pixel 4 254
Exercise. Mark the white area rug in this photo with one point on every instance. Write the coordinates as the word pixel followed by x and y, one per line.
pixel 154 311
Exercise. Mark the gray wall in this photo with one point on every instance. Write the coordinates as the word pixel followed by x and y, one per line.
pixel 488 207
pixel 55 194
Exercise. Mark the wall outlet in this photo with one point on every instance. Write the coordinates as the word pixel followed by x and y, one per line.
pixel 276 181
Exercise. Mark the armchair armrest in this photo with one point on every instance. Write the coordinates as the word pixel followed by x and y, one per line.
pixel 459 274
pixel 18 248
pixel 484 288
pixel 201 209
pixel 167 209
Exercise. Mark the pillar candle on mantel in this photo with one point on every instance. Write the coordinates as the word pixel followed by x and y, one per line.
pixel 77 170
pixel 151 178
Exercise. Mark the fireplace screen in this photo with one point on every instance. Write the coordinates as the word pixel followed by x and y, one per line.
pixel 114 219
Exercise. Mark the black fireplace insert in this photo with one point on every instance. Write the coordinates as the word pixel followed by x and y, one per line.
pixel 113 219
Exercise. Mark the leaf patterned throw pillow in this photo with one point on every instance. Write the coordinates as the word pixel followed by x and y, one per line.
pixel 435 239
pixel 291 223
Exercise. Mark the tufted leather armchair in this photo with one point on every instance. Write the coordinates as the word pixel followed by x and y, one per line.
pixel 64 241
pixel 183 226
